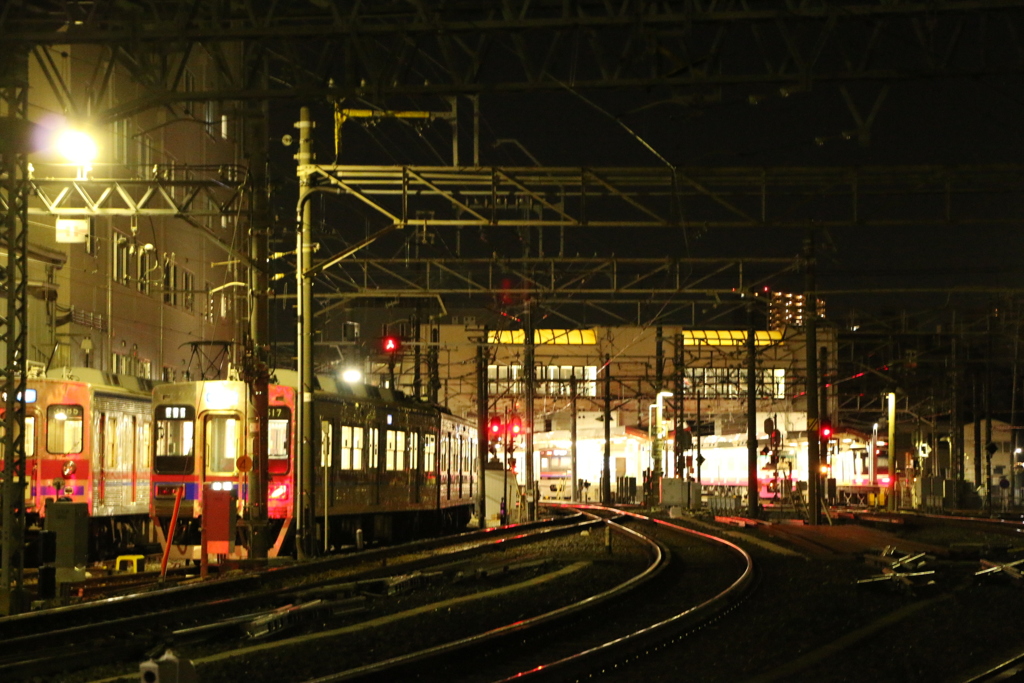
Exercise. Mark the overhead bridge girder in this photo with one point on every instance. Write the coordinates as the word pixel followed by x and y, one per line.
pixel 344 48
pixel 198 192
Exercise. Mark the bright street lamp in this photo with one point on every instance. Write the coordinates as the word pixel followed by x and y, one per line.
pixel 78 147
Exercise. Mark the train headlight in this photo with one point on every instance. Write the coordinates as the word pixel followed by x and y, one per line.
pixel 69 468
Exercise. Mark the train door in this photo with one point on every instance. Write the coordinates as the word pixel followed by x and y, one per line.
pixel 115 473
pixel 129 450
pixel 34 490
pixel 222 446
pixel 140 459
pixel 472 454
pixel 446 465
pixel 33 461
pixel 373 438
pixel 461 457
pixel 430 464
pixel 414 467
pixel 99 458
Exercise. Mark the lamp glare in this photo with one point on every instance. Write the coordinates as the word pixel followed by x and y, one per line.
pixel 77 147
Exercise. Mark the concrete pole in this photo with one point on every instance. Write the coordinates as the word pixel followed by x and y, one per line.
pixel 956 450
pixel 891 400
pixel 573 398
pixel 606 480
pixel 304 341
pixel 259 326
pixel 811 369
pixel 529 372
pixel 752 484
pixel 481 429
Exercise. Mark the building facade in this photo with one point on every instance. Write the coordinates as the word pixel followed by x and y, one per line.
pixel 136 258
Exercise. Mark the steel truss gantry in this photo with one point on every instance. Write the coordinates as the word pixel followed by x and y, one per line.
pixel 687 197
pixel 650 205
pixel 199 192
pixel 691 49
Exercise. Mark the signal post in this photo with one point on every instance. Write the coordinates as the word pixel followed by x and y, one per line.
pixel 502 434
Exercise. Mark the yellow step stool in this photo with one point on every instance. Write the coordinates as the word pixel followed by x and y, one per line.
pixel 132 564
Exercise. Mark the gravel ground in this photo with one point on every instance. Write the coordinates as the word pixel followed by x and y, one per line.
pixel 872 632
pixel 807 620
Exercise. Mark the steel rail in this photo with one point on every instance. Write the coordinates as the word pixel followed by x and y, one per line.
pixel 621 647
pixel 59 620
pixel 34 653
pixel 659 560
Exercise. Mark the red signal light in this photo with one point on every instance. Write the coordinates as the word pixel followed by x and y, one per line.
pixel 494 426
pixel 826 431
pixel 515 426
pixel 391 344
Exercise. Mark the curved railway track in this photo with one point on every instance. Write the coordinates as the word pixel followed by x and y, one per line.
pixel 50 643
pixel 693 579
pixel 894 602
pixel 549 602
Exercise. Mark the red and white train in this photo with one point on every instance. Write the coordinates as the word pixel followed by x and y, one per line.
pixel 87 440
pixel 386 465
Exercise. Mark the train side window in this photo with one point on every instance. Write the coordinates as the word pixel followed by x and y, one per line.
pixel 391 451
pixel 30 435
pixel 429 452
pixel 414 451
pixel 401 439
pixel 346 448
pixel 278 431
pixel 223 440
pixel 357 448
pixel 64 429
pixel 326 443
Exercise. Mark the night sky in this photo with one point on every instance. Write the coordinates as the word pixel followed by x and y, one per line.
pixel 941 122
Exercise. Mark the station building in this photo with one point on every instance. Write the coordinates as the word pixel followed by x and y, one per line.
pixel 631 366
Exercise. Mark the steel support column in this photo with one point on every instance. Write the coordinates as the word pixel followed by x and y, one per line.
pixel 14 326
pixel 259 326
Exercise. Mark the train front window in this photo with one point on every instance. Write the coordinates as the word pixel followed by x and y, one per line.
pixel 175 440
pixel 223 443
pixel 278 429
pixel 64 429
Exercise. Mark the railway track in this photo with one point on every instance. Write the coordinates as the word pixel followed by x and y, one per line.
pixel 860 604
pixel 691 578
pixel 258 605
pixel 533 609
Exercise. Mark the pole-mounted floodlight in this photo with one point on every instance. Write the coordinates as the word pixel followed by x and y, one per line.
pixel 78 147
pixel 352 375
